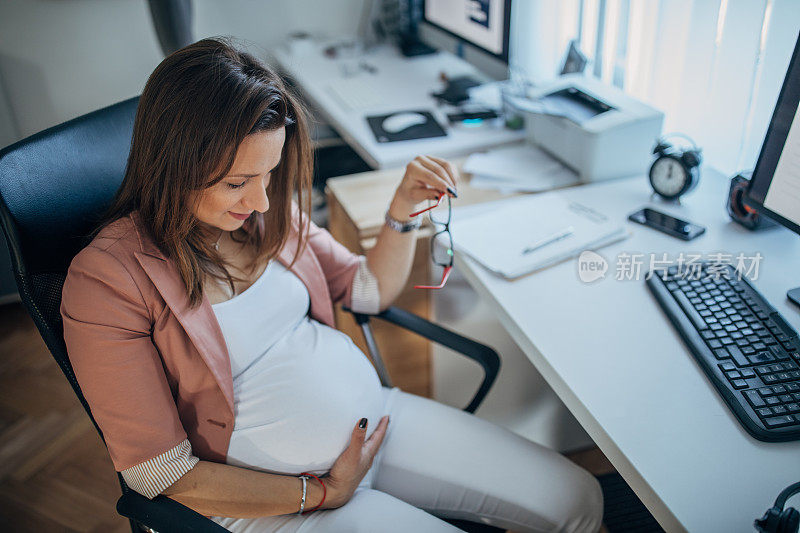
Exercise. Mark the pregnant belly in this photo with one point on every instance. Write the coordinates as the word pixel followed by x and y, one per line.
pixel 297 405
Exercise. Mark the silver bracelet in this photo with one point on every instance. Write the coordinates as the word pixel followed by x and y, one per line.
pixel 401 227
pixel 303 497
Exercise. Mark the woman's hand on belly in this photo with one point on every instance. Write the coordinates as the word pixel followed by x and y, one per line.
pixel 353 463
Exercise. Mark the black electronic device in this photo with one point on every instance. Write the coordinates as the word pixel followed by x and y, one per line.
pixel 457 90
pixel 484 24
pixel 776 177
pixel 746 348
pixel 739 211
pixel 471 116
pixel 409 41
pixel 780 520
pixel 666 223
pixel 676 169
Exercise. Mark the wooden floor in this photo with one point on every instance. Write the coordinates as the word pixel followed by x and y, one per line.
pixel 55 473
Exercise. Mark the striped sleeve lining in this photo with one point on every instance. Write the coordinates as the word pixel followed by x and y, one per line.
pixel 151 477
pixel 365 295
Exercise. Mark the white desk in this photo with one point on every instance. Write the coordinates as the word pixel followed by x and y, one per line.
pixel 615 360
pixel 404 84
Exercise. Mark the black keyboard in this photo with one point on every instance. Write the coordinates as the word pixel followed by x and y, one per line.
pixel 746 348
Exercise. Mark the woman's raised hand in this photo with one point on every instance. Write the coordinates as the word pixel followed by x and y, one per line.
pixel 353 463
pixel 427 177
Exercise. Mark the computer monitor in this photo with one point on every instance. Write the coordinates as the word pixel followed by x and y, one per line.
pixel 483 24
pixel 775 185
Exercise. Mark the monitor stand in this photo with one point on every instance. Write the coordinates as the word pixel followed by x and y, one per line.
pixel 794 295
pixel 411 45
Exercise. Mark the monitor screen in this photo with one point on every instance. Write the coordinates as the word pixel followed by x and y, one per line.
pixel 482 23
pixel 775 185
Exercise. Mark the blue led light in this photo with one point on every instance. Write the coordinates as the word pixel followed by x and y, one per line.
pixel 472 122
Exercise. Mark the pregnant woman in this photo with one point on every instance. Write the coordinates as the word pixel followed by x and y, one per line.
pixel 199 322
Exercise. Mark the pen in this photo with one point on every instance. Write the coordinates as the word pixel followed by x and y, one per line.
pixel 561 234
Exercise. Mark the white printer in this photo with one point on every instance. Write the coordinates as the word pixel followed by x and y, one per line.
pixel 593 128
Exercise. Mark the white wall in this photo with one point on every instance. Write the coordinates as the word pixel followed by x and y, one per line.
pixel 62 58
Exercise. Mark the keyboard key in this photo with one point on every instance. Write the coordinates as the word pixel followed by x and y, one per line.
pixel 779 389
pixel 739 384
pixel 737 355
pixel 722 353
pixel 779 353
pixel 714 343
pixel 766 391
pixel 733 374
pixel 754 398
pixel 778 421
pixel 779 410
pixel 792 387
pixel 772 400
pixel 769 379
pixel 764 412
pixel 792 407
pixel 747 373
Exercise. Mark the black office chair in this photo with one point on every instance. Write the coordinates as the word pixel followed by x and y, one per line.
pixel 53 188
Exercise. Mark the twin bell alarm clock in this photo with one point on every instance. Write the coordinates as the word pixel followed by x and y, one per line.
pixel 676 170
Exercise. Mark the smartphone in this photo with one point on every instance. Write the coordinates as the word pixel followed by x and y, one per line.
pixel 667 224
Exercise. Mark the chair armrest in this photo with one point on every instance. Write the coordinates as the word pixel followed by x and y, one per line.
pixel 163 514
pixel 482 354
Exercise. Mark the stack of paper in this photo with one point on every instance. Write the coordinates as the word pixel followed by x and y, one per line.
pixel 515 236
pixel 518 168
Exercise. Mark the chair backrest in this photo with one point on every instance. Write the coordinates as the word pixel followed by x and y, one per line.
pixel 54 186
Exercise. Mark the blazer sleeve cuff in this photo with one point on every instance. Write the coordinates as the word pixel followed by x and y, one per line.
pixel 151 477
pixel 365 295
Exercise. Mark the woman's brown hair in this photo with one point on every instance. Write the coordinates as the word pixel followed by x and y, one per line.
pixel 196 108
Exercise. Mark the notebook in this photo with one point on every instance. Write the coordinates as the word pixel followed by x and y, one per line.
pixel 517 236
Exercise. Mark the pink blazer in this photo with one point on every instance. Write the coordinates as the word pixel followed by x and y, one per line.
pixel 154 371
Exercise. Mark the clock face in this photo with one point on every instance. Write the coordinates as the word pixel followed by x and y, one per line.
pixel 668 176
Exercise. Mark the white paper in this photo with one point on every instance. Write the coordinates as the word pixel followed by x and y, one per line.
pixel 518 168
pixel 496 234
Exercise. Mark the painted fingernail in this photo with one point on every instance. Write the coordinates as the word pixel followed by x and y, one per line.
pixel 452 191
pixel 362 423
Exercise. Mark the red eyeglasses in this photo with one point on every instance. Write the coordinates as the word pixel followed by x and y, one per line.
pixel 439 256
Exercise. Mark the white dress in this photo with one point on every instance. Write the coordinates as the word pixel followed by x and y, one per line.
pixel 299 386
